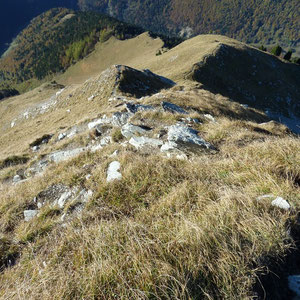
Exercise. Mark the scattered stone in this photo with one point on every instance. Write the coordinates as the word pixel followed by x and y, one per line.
pixel 281 203
pixel 61 136
pixel 103 120
pixel 188 137
pixel 35 148
pixel 181 156
pixel 51 195
pixel 130 130
pixel 210 118
pixel 85 195
pixel 119 119
pixel 17 179
pixel 124 144
pixel 245 105
pixel 65 155
pixel 63 217
pixel 171 150
pixel 173 108
pixel 93 124
pixel 12 124
pixel 30 214
pixel 91 98
pixel 117 98
pixel 59 92
pixel 96 148
pixel 133 108
pixel 169 146
pixel 113 171
pixel 98 130
pixel 276 202
pixel 63 199
pixel 88 176
pixel 106 141
pixel 139 142
pixel 193 120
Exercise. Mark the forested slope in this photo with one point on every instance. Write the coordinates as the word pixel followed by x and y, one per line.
pixel 252 21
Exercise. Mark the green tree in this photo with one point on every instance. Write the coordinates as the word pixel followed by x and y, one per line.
pixel 262 48
pixel 276 50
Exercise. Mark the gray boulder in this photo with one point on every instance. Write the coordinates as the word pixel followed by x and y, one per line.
pixel 140 142
pixel 130 130
pixel 113 171
pixel 173 108
pixel 30 214
pixel 182 135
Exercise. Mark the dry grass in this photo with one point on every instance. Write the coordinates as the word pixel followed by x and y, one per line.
pixel 170 229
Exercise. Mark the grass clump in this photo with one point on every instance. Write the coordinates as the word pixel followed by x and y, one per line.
pixel 117 135
pixel 13 161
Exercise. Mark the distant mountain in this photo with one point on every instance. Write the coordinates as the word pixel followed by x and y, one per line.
pixel 58 38
pixel 16 15
pixel 251 21
pixel 55 39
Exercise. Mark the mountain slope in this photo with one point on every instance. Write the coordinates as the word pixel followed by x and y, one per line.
pixel 255 21
pixel 131 185
pixel 221 65
pixel 15 15
pixel 55 39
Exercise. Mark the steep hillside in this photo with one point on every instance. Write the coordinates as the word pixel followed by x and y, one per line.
pixel 255 21
pixel 16 15
pixel 56 39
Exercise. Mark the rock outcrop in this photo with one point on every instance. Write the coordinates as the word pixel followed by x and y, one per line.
pixel 250 76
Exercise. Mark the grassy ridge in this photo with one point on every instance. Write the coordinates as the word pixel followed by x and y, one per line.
pixel 171 228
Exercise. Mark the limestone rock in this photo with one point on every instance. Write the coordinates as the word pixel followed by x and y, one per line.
pixel 113 171
pixel 64 155
pixel 133 108
pixel 63 199
pixel 30 214
pixel 17 179
pixel 173 108
pixel 276 201
pixel 210 118
pixel 281 203
pixel 140 142
pixel 61 136
pixel 187 137
pixel 119 119
pixel 130 130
